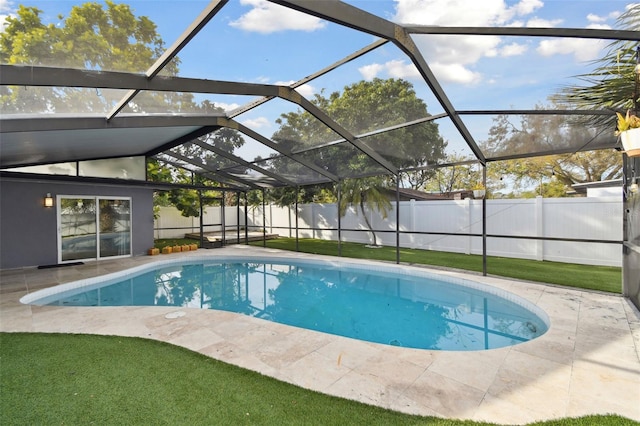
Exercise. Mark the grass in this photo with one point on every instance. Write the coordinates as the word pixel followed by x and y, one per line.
pixel 85 379
pixel 602 278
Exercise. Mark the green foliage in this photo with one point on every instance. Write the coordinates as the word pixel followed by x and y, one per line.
pixel 543 133
pixel 112 380
pixel 446 180
pixel 627 121
pixel 379 104
pixel 611 84
pixel 365 192
pixel 361 107
pixel 170 242
pixel 157 173
pixel 91 37
pixel 187 201
pixel 106 37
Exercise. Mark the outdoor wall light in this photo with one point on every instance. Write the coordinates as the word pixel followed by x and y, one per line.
pixel 48 200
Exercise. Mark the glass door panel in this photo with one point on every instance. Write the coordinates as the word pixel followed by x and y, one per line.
pixel 115 227
pixel 77 228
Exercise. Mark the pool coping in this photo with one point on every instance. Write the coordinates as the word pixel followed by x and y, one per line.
pixel 587 363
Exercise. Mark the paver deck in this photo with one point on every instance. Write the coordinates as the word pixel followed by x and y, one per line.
pixel 587 363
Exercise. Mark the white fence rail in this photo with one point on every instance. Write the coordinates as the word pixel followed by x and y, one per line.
pixel 591 218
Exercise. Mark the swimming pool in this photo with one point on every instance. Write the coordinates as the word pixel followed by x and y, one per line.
pixel 377 303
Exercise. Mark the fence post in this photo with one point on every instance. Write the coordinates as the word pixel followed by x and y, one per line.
pixel 539 227
pixel 469 207
pixel 412 222
pixel 157 222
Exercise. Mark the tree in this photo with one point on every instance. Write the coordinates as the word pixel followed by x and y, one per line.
pixel 362 107
pixel 364 192
pixel 612 83
pixel 543 133
pixel 105 38
pixel 446 180
pixel 91 37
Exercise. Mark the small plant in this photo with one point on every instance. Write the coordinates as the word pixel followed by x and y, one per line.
pixel 627 122
pixel 629 135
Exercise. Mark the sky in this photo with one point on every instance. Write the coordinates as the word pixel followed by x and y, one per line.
pixel 260 42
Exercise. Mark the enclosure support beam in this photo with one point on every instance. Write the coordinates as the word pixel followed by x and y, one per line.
pixel 398 218
pixel 339 219
pixel 264 218
pixel 224 221
pixel 238 217
pixel 484 221
pixel 201 224
pixel 297 242
pixel 246 219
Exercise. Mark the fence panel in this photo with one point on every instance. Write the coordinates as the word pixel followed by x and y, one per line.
pixel 171 224
pixel 591 218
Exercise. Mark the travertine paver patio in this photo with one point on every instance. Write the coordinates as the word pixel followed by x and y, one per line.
pixel 587 363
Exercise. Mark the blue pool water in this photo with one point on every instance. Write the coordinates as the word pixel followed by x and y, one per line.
pixel 390 306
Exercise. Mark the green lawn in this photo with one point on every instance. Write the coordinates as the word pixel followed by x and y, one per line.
pixel 49 379
pixel 603 278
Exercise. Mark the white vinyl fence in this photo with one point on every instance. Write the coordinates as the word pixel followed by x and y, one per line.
pixel 171 224
pixel 424 223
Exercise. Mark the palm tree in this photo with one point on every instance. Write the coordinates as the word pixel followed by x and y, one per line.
pixel 612 84
pixel 369 192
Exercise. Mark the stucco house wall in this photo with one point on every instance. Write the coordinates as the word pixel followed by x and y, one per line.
pixel 28 234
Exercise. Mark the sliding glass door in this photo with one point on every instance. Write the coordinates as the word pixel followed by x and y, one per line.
pixel 114 218
pixel 93 227
pixel 77 230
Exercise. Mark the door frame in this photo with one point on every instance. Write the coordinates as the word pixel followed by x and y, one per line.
pixel 97 199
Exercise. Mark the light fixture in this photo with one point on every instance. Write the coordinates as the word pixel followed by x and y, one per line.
pixel 48 200
pixel 637 69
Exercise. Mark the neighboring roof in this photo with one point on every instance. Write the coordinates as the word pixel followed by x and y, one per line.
pixel 31 139
pixel 407 194
pixel 581 188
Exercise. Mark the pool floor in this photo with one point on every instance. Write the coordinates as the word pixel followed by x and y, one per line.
pixel 587 363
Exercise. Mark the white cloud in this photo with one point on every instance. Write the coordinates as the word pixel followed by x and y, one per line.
pixel 401 69
pixel 227 107
pixel 536 22
pixel 6 6
pixel 257 123
pixel 592 17
pixel 6 9
pixel 599 27
pixel 305 90
pixel 462 12
pixel 265 18
pixel 455 55
pixel 526 7
pixel 395 69
pixel 369 72
pixel 513 49
pixel 515 24
pixel 581 49
pixel 455 73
